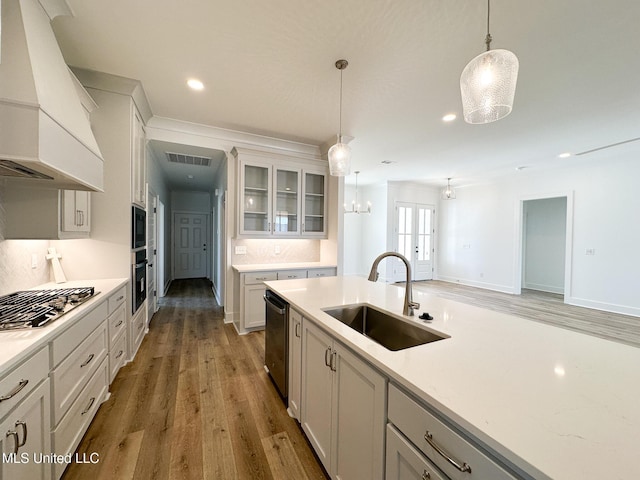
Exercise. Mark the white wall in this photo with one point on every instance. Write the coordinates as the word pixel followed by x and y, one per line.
pixel 479 231
pixel 544 239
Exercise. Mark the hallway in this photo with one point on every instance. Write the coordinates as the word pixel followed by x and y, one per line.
pixel 196 403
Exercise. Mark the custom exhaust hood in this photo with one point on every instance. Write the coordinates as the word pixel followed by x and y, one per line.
pixel 45 133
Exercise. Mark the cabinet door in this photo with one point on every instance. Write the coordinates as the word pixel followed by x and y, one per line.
pixel 255 203
pixel 28 425
pixel 404 462
pixel 138 170
pixel 295 362
pixel 254 306
pixel 315 205
pixel 317 384
pixel 75 211
pixel 358 418
pixel 286 202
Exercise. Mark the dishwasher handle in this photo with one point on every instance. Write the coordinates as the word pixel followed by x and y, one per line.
pixel 277 307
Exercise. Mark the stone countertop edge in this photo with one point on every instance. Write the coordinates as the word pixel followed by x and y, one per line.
pixel 17 345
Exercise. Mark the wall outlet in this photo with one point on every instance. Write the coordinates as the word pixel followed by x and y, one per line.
pixel 34 260
pixel 590 251
pixel 240 250
pixel 276 249
pixel 466 246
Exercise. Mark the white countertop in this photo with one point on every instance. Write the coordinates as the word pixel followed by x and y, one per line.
pixel 16 345
pixel 556 403
pixel 261 267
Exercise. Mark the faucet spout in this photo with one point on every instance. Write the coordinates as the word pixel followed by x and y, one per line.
pixel 409 304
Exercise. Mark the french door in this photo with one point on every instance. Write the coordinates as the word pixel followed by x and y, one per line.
pixel 414 238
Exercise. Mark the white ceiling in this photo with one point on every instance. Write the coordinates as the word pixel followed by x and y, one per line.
pixel 268 68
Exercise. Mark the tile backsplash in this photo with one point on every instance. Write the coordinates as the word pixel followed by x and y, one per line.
pixel 260 251
pixel 16 272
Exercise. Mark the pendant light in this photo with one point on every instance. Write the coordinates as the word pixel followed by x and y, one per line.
pixel 448 193
pixel 488 84
pixel 355 206
pixel 340 154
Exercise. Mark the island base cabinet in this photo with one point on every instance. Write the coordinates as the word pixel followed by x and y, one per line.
pixel 342 407
pixel 405 462
pixel 29 426
pixel 295 361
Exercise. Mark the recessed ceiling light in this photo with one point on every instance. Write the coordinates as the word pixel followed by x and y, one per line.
pixel 521 167
pixel 564 155
pixel 189 177
pixel 195 84
pixel 387 162
pixel 450 117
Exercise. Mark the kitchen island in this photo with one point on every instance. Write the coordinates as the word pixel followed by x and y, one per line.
pixel 548 402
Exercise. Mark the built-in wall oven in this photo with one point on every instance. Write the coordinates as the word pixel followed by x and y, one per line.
pixel 139 277
pixel 138 257
pixel 276 341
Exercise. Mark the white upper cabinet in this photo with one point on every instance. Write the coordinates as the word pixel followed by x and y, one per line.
pixel 280 197
pixel 138 164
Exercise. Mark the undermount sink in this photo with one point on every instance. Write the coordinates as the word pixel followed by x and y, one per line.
pixel 389 331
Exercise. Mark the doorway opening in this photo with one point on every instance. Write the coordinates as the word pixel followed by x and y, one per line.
pixel 545 232
pixel 414 239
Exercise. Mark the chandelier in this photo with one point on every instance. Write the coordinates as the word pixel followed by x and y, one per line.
pixel 355 205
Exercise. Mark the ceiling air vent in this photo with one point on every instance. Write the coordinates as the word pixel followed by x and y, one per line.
pixel 189 159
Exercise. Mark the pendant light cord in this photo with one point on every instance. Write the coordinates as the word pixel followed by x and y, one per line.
pixel 340 116
pixel 488 38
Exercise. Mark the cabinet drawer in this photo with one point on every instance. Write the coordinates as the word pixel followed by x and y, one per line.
pixel 74 372
pixel 291 274
pixel 259 277
pixel 117 299
pixel 405 462
pixel 322 272
pixel 65 343
pixel 23 379
pixel 414 422
pixel 117 323
pixel 68 434
pixel 117 356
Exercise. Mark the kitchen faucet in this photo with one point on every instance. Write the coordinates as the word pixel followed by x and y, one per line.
pixel 409 304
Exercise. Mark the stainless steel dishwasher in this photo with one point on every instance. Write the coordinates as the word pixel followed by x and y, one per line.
pixel 276 341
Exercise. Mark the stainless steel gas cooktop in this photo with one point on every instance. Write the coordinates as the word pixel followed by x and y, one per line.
pixel 36 308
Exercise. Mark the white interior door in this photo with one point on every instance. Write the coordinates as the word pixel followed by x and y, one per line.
pixel 414 238
pixel 190 245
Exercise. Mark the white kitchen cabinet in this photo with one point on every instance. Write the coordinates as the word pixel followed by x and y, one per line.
pixel 75 212
pixel 137 329
pixel 342 407
pixel 280 197
pixel 46 213
pixel 405 462
pixel 453 454
pixel 117 326
pixel 295 363
pixel 138 160
pixel 25 435
pixel 314 204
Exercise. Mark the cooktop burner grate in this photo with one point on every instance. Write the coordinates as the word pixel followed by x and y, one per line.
pixel 36 308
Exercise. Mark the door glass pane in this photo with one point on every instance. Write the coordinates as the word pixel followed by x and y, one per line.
pixel 286 201
pixel 424 234
pixel 404 231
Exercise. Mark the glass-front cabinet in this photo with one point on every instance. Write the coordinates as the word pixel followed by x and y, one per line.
pixel 281 199
pixel 315 220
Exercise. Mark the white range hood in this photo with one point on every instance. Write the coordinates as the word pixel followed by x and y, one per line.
pixel 45 133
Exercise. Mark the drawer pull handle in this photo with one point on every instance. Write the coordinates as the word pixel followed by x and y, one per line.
pixel 261 278
pixel 119 323
pixel 87 361
pixel 141 325
pixel 425 475
pixel 463 468
pixel 119 354
pixel 120 298
pixel 12 433
pixel 297 330
pixel 15 391
pixel 93 399
pixel 22 424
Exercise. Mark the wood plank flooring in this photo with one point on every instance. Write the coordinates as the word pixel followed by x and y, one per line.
pixel 543 307
pixel 195 403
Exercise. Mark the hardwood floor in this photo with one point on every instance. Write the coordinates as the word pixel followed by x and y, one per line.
pixel 196 403
pixel 543 307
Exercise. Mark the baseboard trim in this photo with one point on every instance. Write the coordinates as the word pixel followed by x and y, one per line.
pixel 605 307
pixel 471 283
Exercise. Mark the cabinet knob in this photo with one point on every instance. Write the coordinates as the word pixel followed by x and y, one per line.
pixel 426 475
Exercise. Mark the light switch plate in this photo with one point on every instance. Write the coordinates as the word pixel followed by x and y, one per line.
pixel 241 250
